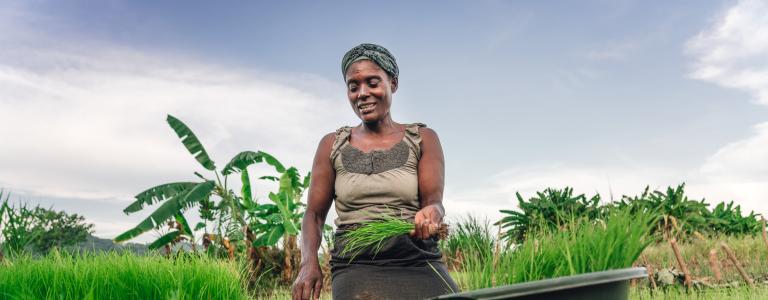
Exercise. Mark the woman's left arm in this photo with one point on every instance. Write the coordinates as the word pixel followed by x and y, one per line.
pixel 431 171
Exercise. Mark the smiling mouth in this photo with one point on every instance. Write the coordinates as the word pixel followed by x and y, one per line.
pixel 366 108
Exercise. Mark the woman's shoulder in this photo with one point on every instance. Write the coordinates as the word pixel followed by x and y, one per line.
pixel 331 136
pixel 328 138
pixel 420 130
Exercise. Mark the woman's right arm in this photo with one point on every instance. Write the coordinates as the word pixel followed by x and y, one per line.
pixel 321 190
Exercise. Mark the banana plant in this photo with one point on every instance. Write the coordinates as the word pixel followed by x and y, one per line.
pixel 677 214
pixel 271 221
pixel 215 202
pixel 728 219
pixel 268 223
pixel 551 208
pixel 176 197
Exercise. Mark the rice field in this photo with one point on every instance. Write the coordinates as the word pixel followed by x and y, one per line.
pixel 119 276
pixel 128 276
pixel 477 257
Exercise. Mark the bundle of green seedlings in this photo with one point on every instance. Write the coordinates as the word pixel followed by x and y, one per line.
pixel 371 235
pixel 582 246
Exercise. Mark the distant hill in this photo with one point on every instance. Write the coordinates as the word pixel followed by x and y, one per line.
pixel 93 243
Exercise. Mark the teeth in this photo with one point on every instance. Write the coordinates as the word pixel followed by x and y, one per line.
pixel 366 106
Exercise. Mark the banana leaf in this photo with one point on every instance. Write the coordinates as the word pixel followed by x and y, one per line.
pixel 157 194
pixel 191 142
pixel 242 160
pixel 184 224
pixel 164 240
pixel 169 209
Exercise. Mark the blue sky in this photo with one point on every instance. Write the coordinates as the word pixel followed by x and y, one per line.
pixel 605 96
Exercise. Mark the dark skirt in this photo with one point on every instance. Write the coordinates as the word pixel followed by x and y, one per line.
pixel 404 268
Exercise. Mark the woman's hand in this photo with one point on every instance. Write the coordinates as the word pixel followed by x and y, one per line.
pixel 308 283
pixel 427 221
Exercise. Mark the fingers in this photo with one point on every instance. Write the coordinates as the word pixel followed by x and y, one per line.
pixel 425 225
pixel 307 290
pixel 425 230
pixel 418 219
pixel 297 290
pixel 318 288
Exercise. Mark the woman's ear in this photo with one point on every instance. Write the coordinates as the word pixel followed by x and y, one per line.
pixel 393 84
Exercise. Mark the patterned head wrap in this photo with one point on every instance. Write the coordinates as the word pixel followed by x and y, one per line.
pixel 373 52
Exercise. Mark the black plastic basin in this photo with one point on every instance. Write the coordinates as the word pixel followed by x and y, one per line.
pixel 613 284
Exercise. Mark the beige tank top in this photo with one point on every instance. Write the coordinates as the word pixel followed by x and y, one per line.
pixel 377 182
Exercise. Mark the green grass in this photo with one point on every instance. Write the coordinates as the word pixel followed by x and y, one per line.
pixel 735 293
pixel 468 237
pixel 750 250
pixel 582 247
pixel 119 276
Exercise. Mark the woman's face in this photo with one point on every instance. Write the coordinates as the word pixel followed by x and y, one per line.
pixel 369 90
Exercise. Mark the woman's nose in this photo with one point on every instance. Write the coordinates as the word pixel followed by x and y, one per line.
pixel 363 92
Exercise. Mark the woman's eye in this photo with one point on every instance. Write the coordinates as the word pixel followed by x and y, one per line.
pixel 373 83
pixel 352 88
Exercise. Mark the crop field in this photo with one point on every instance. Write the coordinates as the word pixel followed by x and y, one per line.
pixel 129 276
pixel 119 276
pixel 247 248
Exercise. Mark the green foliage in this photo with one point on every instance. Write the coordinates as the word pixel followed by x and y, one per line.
pixel 158 194
pixel 38 229
pixel 239 220
pixel 689 215
pixel 471 239
pixel 551 209
pixel 677 215
pixel 178 203
pixel 613 241
pixel 17 225
pixel 190 141
pixel 284 215
pixel 121 276
pixel 728 219
pixel 164 240
pixel 58 229
pixel 242 160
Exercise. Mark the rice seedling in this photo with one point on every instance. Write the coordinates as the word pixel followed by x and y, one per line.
pixel 371 235
pixel 119 276
pixel 469 237
pixel 583 246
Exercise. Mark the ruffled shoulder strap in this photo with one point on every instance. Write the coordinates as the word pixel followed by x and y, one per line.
pixel 342 136
pixel 413 137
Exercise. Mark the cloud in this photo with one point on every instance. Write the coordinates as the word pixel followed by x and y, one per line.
pixel 738 171
pixel 733 53
pixel 85 119
pixel 735 172
pixel 95 122
pixel 742 160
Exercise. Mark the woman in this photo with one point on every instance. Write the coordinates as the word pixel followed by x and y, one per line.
pixel 377 168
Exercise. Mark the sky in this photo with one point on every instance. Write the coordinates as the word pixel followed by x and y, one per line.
pixel 605 96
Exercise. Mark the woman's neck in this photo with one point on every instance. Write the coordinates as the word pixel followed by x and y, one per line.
pixel 380 127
